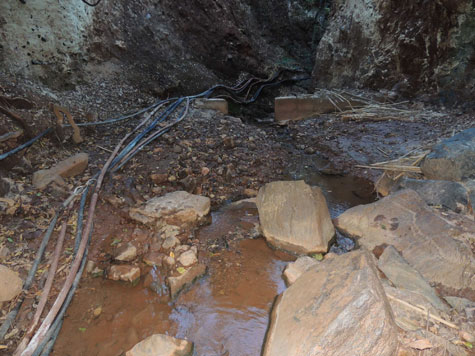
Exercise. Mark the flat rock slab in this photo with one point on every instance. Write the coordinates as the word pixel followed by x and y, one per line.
pixel 295 217
pixel 176 208
pixel 294 270
pixel 452 159
pixel 10 284
pixel 70 167
pixel 161 345
pixel 403 276
pixel 435 247
pixel 337 307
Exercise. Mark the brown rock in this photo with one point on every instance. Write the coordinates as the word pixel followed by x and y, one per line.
pixel 10 284
pixel 295 217
pixel 126 253
pixel 68 168
pixel 154 259
pixel 250 193
pixel 159 178
pixel 161 345
pixel 188 258
pixel 176 208
pixel 337 307
pixel 124 273
pixel 435 247
pixel 176 284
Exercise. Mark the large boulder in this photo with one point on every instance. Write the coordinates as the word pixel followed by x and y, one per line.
pixel 295 217
pixel 176 208
pixel 10 284
pixel 452 159
pixel 337 307
pixel 434 246
pixel 161 345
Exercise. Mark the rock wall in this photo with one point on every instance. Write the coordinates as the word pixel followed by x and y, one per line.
pixel 165 46
pixel 413 45
pixel 43 36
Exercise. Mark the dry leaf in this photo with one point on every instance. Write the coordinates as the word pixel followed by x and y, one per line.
pixel 422 344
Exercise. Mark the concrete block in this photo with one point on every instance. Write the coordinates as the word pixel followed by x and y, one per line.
pixel 292 108
pixel 213 104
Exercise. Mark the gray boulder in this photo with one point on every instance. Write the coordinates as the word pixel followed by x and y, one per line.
pixel 452 159
pixel 448 194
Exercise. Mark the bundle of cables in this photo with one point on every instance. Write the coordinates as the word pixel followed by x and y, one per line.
pixel 158 119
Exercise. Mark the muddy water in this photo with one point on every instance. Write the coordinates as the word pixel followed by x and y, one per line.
pixel 227 311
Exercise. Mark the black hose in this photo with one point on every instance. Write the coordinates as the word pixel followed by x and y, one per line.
pixel 91 4
pixel 25 145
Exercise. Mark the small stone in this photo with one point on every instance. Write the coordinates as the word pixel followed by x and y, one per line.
pixel 171 178
pixel 205 171
pixel 161 345
pixel 177 149
pixel 459 304
pixel 250 193
pixel 90 266
pixel 169 261
pixel 10 284
pixel 170 242
pixel 187 258
pixel 97 312
pixel 180 249
pixel 97 272
pixel 4 252
pixel 154 259
pixel 295 269
pixel 124 273
pixel 126 253
pixel 159 178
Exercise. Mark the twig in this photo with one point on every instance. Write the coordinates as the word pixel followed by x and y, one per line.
pixel 105 149
pixel 423 311
pixel 395 168
pixel 18 119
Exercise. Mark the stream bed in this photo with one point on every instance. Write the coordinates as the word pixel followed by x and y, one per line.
pixel 225 313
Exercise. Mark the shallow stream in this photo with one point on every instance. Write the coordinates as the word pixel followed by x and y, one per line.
pixel 226 313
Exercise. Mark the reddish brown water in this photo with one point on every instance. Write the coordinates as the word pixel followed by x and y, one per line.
pixel 225 311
